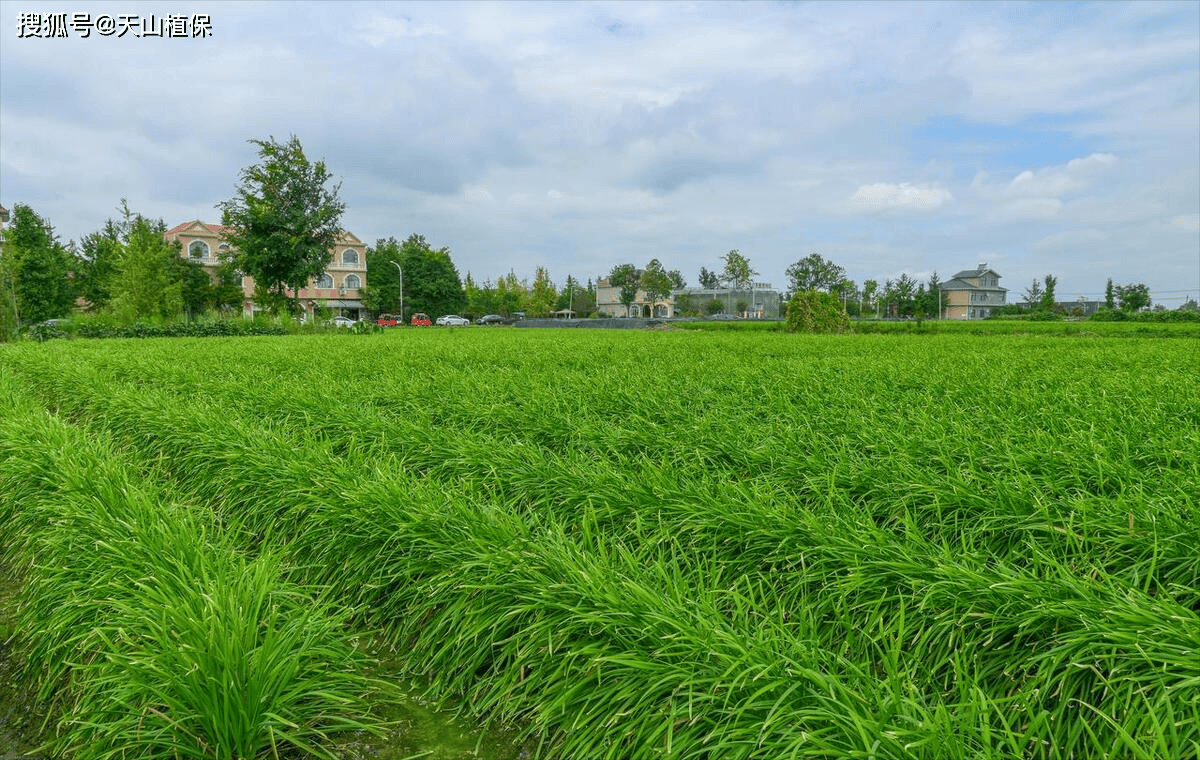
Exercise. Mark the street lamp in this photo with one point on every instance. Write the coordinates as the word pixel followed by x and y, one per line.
pixel 401 271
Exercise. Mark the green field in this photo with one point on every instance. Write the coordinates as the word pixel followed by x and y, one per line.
pixel 626 545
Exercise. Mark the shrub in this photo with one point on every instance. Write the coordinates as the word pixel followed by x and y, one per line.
pixel 811 311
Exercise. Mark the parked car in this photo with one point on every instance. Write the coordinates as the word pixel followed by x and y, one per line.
pixel 387 320
pixel 342 322
pixel 491 319
pixel 453 320
pixel 421 319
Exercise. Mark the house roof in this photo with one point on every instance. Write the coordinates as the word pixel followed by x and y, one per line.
pixel 955 283
pixel 975 272
pixel 197 225
pixel 345 237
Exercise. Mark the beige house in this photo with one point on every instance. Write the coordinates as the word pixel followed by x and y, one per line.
pixel 973 293
pixel 338 288
pixel 608 303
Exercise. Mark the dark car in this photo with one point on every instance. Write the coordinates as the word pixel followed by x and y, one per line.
pixel 491 319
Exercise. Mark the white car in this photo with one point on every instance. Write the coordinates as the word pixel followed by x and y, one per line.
pixel 453 319
pixel 342 322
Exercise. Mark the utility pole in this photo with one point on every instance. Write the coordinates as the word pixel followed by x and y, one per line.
pixel 401 271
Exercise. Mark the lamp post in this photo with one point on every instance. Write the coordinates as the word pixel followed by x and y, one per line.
pixel 401 271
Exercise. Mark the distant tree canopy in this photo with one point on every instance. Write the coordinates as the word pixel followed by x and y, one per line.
pixel 813 272
pixel 625 277
pixel 284 220
pixel 35 270
pixel 431 282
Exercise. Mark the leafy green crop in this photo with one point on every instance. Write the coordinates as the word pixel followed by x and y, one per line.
pixel 701 545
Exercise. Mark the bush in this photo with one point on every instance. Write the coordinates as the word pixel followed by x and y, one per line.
pixel 811 311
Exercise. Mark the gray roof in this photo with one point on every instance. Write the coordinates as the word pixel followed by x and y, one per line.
pixel 955 283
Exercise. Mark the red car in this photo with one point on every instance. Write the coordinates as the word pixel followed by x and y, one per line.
pixel 421 319
pixel 387 320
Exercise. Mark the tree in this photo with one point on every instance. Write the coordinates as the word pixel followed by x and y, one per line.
pixel 148 283
pixel 431 282
pixel 656 283
pixel 1033 294
pixel 382 294
pixel 36 270
pixel 1109 301
pixel 814 273
pixel 709 280
pixel 1133 297
pixel 869 290
pixel 937 297
pixel 1047 303
pixel 737 272
pixel 542 295
pixel 625 277
pixel 97 263
pixel 284 220
pixel 677 280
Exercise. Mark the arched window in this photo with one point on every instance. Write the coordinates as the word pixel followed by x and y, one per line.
pixel 223 247
pixel 351 281
pixel 325 281
pixel 198 249
pixel 350 256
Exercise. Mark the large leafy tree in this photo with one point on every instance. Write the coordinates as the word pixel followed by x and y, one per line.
pixel 431 282
pixel 737 272
pixel 97 263
pixel 148 282
pixel 1133 296
pixel 814 272
pixel 625 278
pixel 36 270
pixel 284 219
pixel 656 282
pixel 382 293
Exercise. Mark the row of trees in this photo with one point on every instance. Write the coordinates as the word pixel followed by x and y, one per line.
pixel 902 297
pixel 126 269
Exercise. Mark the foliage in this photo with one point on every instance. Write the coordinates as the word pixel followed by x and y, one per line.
pixel 147 282
pixel 1047 302
pixel 162 639
pixel 431 282
pixel 284 220
pixel 620 569
pixel 1033 294
pixel 98 260
pixel 811 311
pixel 655 282
pixel 709 280
pixel 1109 295
pixel 35 270
pixel 737 272
pixel 813 272
pixel 625 278
pixel 714 306
pixel 1133 296
pixel 541 295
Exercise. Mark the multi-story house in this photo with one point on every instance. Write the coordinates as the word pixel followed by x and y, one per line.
pixel 608 303
pixel 973 293
pixel 339 286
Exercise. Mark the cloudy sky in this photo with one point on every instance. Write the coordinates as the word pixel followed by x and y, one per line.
pixel 1041 138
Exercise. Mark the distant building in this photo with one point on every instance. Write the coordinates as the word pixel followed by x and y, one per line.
pixel 759 301
pixel 1079 307
pixel 973 293
pixel 338 288
pixel 608 303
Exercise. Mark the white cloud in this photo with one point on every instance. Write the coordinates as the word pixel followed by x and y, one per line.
pixel 885 196
pixel 1060 180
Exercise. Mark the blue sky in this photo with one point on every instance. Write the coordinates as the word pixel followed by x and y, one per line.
pixel 892 137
